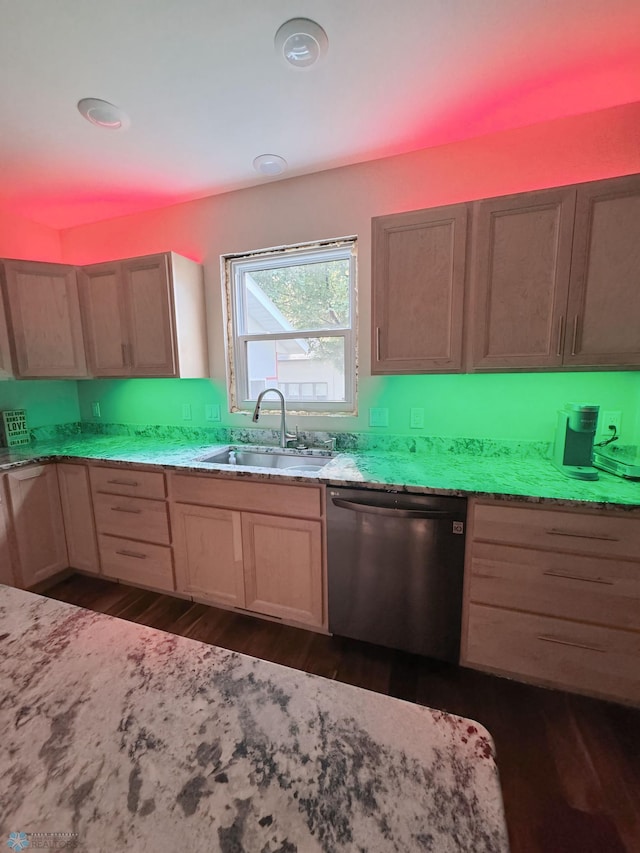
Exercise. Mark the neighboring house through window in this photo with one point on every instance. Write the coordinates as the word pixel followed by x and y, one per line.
pixel 291 325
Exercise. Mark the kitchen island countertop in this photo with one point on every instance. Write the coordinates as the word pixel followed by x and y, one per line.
pixel 117 735
pixel 527 477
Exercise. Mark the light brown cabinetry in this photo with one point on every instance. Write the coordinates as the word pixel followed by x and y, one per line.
pixel 37 524
pixel 553 596
pixel 554 278
pixel 418 273
pixel 132 523
pixel 145 317
pixel 6 362
pixel 44 317
pixel 256 546
pixel 77 512
pixel 604 298
pixel 7 572
pixel 520 278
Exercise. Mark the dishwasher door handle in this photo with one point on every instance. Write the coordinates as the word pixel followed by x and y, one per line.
pixel 358 506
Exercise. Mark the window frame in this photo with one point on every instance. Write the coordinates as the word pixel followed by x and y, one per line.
pixel 232 269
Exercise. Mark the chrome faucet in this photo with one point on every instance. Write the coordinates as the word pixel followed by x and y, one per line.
pixel 284 435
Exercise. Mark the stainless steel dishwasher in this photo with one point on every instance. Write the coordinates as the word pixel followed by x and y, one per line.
pixel 395 564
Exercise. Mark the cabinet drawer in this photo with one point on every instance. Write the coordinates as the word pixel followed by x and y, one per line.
pixel 128 481
pixel 589 589
pixel 274 498
pixel 136 562
pixel 135 518
pixel 609 536
pixel 569 655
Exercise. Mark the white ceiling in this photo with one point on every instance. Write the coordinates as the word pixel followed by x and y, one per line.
pixel 206 92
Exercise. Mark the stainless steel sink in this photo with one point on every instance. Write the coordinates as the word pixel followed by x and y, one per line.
pixel 299 461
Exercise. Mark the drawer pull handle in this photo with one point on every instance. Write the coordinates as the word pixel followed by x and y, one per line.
pixel 556 532
pixel 122 482
pixel 578 578
pixel 135 554
pixel 377 343
pixel 125 509
pixel 569 643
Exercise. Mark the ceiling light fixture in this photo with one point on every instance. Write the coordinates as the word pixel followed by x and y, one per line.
pixel 301 42
pixel 103 114
pixel 270 164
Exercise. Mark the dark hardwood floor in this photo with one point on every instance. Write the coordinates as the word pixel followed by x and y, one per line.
pixel 569 765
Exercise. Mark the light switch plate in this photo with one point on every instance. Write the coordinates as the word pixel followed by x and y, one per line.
pixel 95 410
pixel 212 412
pixel 186 411
pixel 379 417
pixel 417 418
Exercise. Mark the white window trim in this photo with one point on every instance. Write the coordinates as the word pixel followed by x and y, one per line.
pixel 232 266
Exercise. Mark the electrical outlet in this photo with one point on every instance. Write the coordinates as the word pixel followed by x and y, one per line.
pixel 95 410
pixel 607 419
pixel 379 417
pixel 416 418
pixel 212 412
pixel 186 411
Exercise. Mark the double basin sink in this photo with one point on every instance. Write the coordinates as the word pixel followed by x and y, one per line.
pixel 295 461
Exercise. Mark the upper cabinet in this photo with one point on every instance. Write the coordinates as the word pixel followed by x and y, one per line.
pixel 520 279
pixel 44 316
pixel 6 362
pixel 418 273
pixel 552 280
pixel 145 317
pixel 603 317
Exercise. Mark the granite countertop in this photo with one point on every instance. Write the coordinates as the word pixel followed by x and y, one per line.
pixel 458 468
pixel 127 737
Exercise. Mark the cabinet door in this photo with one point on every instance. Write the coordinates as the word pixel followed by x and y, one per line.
pixel 104 318
pixel 418 272
pixel 520 279
pixel 148 294
pixel 208 553
pixel 283 567
pixel 77 511
pixel 44 312
pixel 6 365
pixel 37 522
pixel 7 574
pixel 604 297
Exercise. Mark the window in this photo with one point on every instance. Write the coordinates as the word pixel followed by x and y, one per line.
pixel 290 321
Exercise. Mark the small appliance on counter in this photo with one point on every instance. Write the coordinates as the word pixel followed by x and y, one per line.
pixel 623 461
pixel 14 428
pixel 575 434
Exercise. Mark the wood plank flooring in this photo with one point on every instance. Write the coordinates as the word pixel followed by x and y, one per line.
pixel 569 765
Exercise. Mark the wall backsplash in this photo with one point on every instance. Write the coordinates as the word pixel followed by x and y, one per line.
pixel 47 402
pixel 517 407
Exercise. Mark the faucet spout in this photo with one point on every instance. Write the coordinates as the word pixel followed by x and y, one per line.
pixel 284 435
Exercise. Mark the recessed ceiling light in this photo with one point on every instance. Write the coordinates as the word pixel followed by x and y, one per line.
pixel 301 42
pixel 103 114
pixel 270 164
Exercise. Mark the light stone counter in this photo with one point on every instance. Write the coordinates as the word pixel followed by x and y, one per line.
pixel 132 738
pixel 456 467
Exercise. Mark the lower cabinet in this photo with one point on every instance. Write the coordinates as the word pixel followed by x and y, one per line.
pixel 77 511
pixel 255 560
pixel 37 524
pixel 283 567
pixel 7 569
pixel 208 549
pixel 553 597
pixel 132 523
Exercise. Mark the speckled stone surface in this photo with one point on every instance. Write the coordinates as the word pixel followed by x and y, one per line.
pixel 137 739
pixel 457 467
